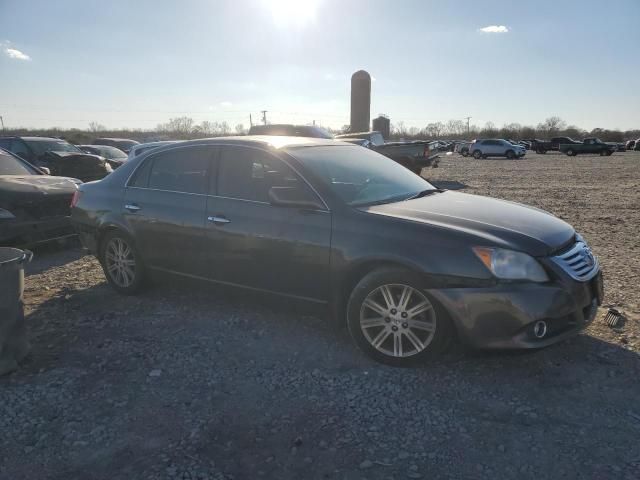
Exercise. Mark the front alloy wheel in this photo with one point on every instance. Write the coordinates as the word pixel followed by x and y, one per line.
pixel 397 320
pixel 393 319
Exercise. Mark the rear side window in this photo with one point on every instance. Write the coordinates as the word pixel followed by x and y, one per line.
pixel 248 174
pixel 178 170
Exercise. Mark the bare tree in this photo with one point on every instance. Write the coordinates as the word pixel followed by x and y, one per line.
pixel 552 125
pixel 434 130
pixel 180 127
pixel 240 129
pixel 95 127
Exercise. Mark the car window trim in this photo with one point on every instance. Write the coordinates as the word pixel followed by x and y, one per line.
pixel 149 158
pixel 216 158
pixel 287 163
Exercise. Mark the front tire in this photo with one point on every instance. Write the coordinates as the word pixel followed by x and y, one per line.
pixel 477 154
pixel 394 321
pixel 121 263
pixel 511 154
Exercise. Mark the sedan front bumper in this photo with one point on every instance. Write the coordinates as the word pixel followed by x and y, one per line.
pixel 505 316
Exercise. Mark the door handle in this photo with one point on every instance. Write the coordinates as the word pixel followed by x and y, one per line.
pixel 132 207
pixel 219 220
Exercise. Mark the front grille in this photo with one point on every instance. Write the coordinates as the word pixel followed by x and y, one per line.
pixel 578 262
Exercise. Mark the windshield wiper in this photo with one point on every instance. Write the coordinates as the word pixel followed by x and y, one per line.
pixel 424 193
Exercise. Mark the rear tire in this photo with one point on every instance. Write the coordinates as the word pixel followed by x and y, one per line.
pixel 477 154
pixel 394 321
pixel 121 263
pixel 570 153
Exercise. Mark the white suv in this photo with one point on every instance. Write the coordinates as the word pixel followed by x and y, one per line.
pixel 495 148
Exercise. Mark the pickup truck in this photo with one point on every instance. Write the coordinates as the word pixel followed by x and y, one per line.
pixel 413 155
pixel 543 146
pixel 588 145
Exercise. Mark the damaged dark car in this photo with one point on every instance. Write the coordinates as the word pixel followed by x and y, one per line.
pixel 58 156
pixel 34 207
pixel 408 267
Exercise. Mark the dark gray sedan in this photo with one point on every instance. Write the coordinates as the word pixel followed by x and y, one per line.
pixel 407 266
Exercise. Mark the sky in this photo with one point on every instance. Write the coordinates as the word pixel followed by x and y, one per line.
pixel 135 64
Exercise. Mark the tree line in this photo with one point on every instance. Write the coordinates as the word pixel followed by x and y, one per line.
pixel 551 127
pixel 184 128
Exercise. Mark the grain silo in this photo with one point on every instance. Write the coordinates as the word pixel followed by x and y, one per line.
pixel 360 101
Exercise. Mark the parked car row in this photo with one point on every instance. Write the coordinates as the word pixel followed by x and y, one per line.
pixel 34 206
pixel 38 176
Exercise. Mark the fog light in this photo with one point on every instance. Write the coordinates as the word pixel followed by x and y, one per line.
pixel 540 329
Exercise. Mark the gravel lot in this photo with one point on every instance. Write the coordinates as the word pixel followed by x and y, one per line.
pixel 188 381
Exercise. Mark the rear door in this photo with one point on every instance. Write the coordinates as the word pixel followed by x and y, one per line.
pixel 253 243
pixel 164 206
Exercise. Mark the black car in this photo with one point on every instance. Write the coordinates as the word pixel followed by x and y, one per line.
pixel 58 156
pixel 114 156
pixel 34 207
pixel 407 266
pixel 123 144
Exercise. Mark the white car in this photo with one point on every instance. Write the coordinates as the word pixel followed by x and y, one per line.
pixel 496 148
pixel 143 147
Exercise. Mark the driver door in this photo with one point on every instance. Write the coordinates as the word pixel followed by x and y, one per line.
pixel 254 243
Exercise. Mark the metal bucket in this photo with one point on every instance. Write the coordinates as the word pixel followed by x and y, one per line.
pixel 13 336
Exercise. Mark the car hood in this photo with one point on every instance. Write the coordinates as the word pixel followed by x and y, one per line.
pixel 495 222
pixel 31 197
pixel 36 184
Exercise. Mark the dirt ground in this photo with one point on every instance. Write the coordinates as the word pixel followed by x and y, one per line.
pixel 190 381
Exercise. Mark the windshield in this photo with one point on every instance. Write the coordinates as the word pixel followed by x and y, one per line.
pixel 111 152
pixel 12 166
pixel 42 146
pixel 360 176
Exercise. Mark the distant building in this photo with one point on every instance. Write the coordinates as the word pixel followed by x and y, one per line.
pixel 382 124
pixel 360 101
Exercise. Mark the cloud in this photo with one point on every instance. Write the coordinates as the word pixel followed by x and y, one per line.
pixel 328 76
pixel 16 54
pixel 226 104
pixel 495 29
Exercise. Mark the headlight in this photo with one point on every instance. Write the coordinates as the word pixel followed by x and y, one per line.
pixel 6 214
pixel 511 265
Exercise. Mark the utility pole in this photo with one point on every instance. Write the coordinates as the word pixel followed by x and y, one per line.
pixel 264 117
pixel 2 122
pixel 250 121
pixel 468 118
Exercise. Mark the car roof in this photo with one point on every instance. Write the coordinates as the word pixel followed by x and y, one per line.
pixel 35 138
pixel 271 141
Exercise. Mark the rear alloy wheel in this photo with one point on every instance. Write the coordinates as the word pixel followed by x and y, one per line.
pixel 511 154
pixel 477 154
pixel 121 263
pixel 392 320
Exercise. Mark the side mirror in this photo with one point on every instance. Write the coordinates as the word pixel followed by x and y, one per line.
pixel 294 197
pixel 45 170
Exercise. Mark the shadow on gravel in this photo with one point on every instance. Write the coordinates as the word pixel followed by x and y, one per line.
pixel 54 254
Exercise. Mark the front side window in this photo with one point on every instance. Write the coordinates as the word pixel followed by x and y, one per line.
pixel 178 170
pixel 248 174
pixel 360 176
